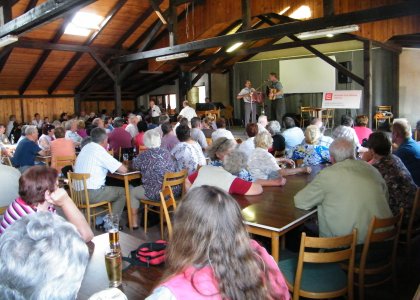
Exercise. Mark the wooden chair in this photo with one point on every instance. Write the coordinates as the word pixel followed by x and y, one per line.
pixel 169 180
pixel 80 195
pixel 379 116
pixel 318 274
pixel 167 200
pixel 228 115
pixel 413 229
pixel 209 141
pixel 328 117
pixel 64 161
pixel 305 115
pixel 380 231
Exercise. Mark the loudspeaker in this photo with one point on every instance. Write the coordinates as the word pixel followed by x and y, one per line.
pixel 342 78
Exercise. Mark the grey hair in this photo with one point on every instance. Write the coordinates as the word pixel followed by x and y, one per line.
pixel 273 127
pixel 57 123
pixel 263 140
pixel 262 118
pixel 342 148
pixel 98 135
pixel 30 129
pixel 219 146
pixel 69 124
pixel 51 260
pixel 235 161
pixel 152 139
pixel 96 121
pixel 342 132
pixel 23 130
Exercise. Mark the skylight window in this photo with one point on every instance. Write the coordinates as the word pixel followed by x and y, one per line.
pixel 303 12
pixel 83 24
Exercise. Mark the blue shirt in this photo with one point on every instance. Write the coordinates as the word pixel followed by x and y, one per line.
pixel 25 153
pixel 409 153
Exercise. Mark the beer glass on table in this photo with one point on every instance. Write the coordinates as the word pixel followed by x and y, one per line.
pixel 111 224
pixel 113 264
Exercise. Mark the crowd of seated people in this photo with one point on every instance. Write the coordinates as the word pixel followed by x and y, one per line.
pixel 385 183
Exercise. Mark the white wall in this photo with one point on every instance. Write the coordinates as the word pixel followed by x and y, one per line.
pixel 220 88
pixel 410 85
pixel 165 89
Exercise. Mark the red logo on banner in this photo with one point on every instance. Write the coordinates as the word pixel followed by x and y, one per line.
pixel 328 96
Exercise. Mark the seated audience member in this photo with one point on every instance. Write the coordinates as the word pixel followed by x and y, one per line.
pixel 201 258
pixel 37 122
pixel 181 121
pixel 248 146
pixel 401 187
pixel 362 130
pixel 417 131
pixel 81 128
pixel 119 138
pixel 207 126
pixel 3 137
pixel 408 150
pixel 187 111
pixel 348 194
pixel 9 184
pixel 187 153
pixel 221 130
pixel 64 117
pixel 346 132
pixel 262 123
pixel 71 132
pixel 108 124
pixel 22 134
pixel 153 164
pixel 347 121
pixel 38 191
pixel 263 165
pixel 169 139
pixel 50 263
pixel 196 133
pixel 218 149
pixel 10 125
pixel 61 147
pixel 132 125
pixel 310 152
pixel 47 137
pixel 138 140
pixel 163 118
pixel 323 139
pixel 27 150
pixel 93 159
pixel 279 143
pixel 293 135
pixel 98 122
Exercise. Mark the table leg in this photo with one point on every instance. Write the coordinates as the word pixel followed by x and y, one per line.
pixel 275 246
pixel 128 202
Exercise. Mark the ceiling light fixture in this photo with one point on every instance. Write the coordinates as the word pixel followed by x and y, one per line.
pixel 172 56
pixel 328 31
pixel 7 40
pixel 284 10
pixel 303 12
pixel 234 47
pixel 83 23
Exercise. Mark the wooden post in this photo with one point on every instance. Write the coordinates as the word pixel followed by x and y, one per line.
pixel 367 77
pixel 117 91
pixel 77 104
pixel 173 24
pixel 246 15
pixel 396 89
pixel 209 79
pixel 328 6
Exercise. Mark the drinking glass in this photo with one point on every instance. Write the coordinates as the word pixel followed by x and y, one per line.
pixel 113 264
pixel 111 224
pixel 125 156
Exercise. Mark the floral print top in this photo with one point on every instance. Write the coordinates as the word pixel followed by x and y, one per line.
pixel 188 156
pixel 312 155
pixel 243 174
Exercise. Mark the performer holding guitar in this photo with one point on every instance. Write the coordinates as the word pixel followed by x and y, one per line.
pixel 250 105
pixel 275 94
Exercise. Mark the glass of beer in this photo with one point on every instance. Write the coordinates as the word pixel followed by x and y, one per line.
pixel 111 224
pixel 113 264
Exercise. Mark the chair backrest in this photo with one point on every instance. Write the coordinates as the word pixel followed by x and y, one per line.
pixel 384 108
pixel 328 113
pixel 174 179
pixel 339 249
pixel 381 230
pixel 167 200
pixel 78 188
pixel 111 152
pixel 63 161
pixel 414 211
pixel 305 109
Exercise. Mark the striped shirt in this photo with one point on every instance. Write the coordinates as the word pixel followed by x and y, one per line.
pixel 16 210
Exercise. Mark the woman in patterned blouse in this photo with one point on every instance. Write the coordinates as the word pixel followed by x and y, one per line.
pixel 153 164
pixel 310 152
pixel 401 187
pixel 188 153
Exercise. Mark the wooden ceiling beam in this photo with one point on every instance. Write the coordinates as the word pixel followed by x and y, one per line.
pixel 89 42
pixel 406 8
pixel 7 17
pixel 31 4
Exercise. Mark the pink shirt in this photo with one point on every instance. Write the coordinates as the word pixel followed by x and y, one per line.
pixel 181 287
pixel 61 147
pixel 138 140
pixel 362 133
pixel 119 138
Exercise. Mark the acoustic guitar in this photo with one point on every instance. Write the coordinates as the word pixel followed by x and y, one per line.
pixel 272 94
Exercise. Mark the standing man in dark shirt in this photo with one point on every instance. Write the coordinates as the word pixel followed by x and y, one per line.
pixel 278 107
pixel 408 149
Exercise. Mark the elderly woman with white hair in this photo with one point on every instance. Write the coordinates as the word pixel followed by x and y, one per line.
pixel 279 142
pixel 310 152
pixel 71 132
pixel 262 165
pixel 152 164
pixel 50 262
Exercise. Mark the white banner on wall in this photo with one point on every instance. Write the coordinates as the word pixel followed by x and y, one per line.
pixel 348 99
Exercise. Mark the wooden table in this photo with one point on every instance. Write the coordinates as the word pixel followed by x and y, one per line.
pixel 45 159
pixel 127 177
pixel 273 213
pixel 138 282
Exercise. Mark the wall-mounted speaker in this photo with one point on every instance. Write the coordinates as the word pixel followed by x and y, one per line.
pixel 342 78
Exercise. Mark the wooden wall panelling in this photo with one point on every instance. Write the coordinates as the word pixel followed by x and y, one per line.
pixel 97 106
pixel 10 107
pixel 47 107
